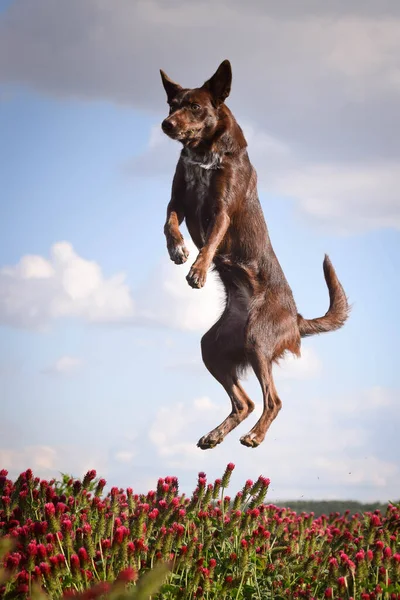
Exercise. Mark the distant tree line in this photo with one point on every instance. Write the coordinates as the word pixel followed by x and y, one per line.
pixel 321 507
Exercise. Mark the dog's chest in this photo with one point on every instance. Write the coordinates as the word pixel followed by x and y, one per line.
pixel 199 175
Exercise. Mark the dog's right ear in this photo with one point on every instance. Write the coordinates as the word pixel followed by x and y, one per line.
pixel 220 83
pixel 170 86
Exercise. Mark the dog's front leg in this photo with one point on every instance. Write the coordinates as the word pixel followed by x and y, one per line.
pixel 177 250
pixel 215 234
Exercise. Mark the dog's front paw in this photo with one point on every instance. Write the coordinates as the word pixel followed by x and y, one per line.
pixel 197 276
pixel 178 253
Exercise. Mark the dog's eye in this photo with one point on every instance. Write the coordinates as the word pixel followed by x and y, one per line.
pixel 195 106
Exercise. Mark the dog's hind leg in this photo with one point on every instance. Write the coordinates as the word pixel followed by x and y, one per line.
pixel 262 367
pixel 242 406
pixel 223 354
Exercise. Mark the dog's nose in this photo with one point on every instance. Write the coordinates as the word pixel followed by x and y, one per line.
pixel 168 125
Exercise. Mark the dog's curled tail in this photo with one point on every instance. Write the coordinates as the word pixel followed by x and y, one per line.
pixel 338 308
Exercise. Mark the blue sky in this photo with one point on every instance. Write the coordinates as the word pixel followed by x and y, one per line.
pixel 104 372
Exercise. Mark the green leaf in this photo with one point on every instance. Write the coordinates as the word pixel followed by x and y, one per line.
pixel 151 582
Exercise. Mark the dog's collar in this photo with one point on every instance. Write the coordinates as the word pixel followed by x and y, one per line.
pixel 214 163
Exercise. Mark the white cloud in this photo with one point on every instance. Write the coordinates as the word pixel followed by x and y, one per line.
pixel 41 457
pixel 37 291
pixel 65 365
pixel 376 398
pixel 356 196
pixel 171 432
pixel 204 404
pixel 176 303
pixel 345 197
pixel 123 456
pixel 49 461
pixel 308 366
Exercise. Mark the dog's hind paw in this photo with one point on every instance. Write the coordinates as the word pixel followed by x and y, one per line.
pixel 250 440
pixel 210 440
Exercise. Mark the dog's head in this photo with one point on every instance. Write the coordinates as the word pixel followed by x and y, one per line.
pixel 194 113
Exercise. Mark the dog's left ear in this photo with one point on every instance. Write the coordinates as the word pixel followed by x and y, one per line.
pixel 170 86
pixel 220 83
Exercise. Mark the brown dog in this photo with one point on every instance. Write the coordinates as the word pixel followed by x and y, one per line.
pixel 215 191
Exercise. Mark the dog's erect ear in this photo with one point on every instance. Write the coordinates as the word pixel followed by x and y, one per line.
pixel 170 86
pixel 220 83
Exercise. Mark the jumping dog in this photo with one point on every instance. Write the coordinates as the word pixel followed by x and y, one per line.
pixel 215 191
